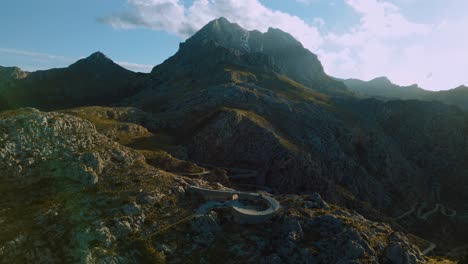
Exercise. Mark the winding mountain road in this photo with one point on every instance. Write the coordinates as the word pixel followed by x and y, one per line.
pixel 424 216
pixel 407 213
pixel 431 247
pixel 233 173
pixel 241 212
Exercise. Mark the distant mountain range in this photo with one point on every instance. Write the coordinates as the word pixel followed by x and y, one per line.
pixel 383 88
pixel 261 102
pixel 95 80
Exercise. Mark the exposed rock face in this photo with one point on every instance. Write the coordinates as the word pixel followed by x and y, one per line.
pixel 57 172
pixel 205 229
pixel 11 73
pixel 401 252
pixel 297 235
pixel 56 145
pixel 223 142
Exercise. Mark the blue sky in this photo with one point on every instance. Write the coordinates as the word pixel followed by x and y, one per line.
pixel 410 41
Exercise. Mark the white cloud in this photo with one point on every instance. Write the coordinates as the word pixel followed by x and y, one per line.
pixel 172 16
pixel 437 61
pixel 379 21
pixel 385 43
pixel 319 22
pixel 135 66
pixel 34 54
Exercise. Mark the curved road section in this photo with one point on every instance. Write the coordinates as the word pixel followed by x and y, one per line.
pixel 424 216
pixel 242 213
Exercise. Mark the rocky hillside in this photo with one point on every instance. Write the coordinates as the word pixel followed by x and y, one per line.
pixel 95 80
pixel 72 194
pixel 383 88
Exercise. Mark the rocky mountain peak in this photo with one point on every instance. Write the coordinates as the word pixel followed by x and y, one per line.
pixel 221 43
pixel 96 59
pixel 98 56
pixel 230 35
pixel 222 32
pixel 381 80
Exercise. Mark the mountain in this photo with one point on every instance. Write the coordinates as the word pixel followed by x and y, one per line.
pixel 457 96
pixel 232 98
pixel 222 44
pixel 383 88
pixel 234 110
pixel 12 73
pixel 89 81
pixel 237 102
pixel 8 75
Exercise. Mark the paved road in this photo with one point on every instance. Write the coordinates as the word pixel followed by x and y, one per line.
pixel 193 173
pixel 408 212
pixel 431 247
pixel 241 212
pixel 234 173
pixel 424 216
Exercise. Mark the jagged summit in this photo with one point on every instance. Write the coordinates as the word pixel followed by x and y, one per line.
pixel 98 56
pixel 223 33
pixel 230 35
pixel 220 22
pixel 221 43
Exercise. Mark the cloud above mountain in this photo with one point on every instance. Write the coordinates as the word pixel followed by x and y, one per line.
pixel 172 16
pixel 384 41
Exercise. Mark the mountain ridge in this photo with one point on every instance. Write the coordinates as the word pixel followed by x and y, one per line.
pixel 95 79
pixel 383 88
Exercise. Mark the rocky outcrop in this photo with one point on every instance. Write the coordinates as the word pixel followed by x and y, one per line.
pixel 400 251
pixel 57 145
pixel 297 235
pixel 66 191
